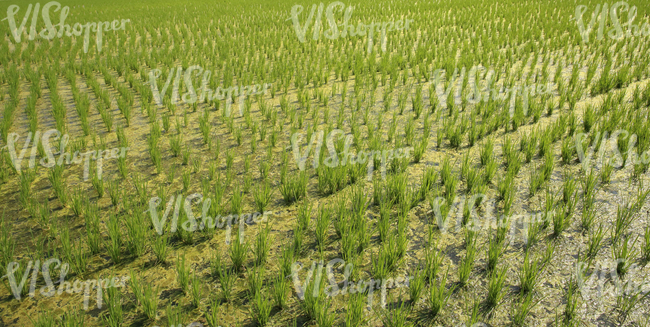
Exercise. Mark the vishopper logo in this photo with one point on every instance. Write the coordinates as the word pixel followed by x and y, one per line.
pixel 207 94
pixel 600 15
pixel 64 157
pixel 466 213
pixel 347 29
pixel 608 150
pixel 474 82
pixel 347 157
pixel 349 286
pixel 50 31
pixel 189 221
pixel 595 285
pixel 50 290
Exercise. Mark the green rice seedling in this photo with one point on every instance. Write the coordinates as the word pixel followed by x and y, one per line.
pixel 628 300
pixel 255 280
pixel 26 180
pixel 236 202
pixel 114 191
pixel 44 319
pixel 156 158
pixel 196 165
pixel 503 226
pixel 98 184
pixel 416 285
pixel 113 299
pixel 529 275
pixel 304 215
pixel 427 182
pixel 450 189
pixel 174 315
pixel 298 236
pixel 474 180
pixel 56 179
pixel 261 310
pixel 136 230
pixel 136 287
pixel 238 253
pixel 568 151
pixel 396 317
pixel 93 236
pixel 521 312
pixel 186 155
pixel 474 316
pixel 465 165
pixel 227 281
pixel 433 262
pixel 495 249
pixel 262 245
pixel 420 148
pixel 140 188
pixel 77 201
pixel 212 318
pixel 496 287
pixel 355 315
pixel 66 244
pixel 504 185
pixel 572 298
pixel 195 291
pixel 465 267
pixel 533 230
pixel 623 252
pixel 331 180
pixel 606 172
pixel 624 218
pixel 322 225
pixel 160 247
pixel 595 241
pixel 438 296
pixel 186 177
pixel 183 274
pixel 73 319
pixel 79 259
pixel 287 259
pixel 115 236
pixel 280 291
pixel 547 166
pixel 294 187
pixel 560 222
pixel 150 301
pixel 262 196
pixel 384 262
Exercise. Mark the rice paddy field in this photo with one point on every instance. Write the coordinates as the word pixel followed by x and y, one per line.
pixel 300 163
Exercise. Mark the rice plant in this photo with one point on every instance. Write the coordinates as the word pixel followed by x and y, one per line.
pixel 238 253
pixel 496 287
pixel 529 275
pixel 261 310
pixel 280 288
pixel 521 312
pixel 294 187
pixel 262 243
pixel 438 296
pixel 623 251
pixel 115 236
pixel 183 274
pixel 195 291
pixel 113 299
pixel 355 315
